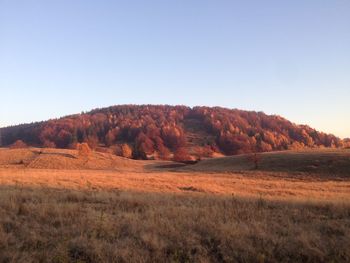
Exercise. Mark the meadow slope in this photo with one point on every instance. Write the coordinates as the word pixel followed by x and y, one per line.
pixel 58 206
pixel 282 175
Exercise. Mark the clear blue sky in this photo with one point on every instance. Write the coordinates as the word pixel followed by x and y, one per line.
pixel 290 58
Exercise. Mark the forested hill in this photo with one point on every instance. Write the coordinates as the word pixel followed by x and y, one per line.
pixel 152 131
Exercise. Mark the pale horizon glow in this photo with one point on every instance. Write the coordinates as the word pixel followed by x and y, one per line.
pixel 289 58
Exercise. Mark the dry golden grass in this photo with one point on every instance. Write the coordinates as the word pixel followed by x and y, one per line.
pixel 248 184
pixel 57 206
pixel 61 159
pixel 66 169
pixel 330 162
pixel 47 225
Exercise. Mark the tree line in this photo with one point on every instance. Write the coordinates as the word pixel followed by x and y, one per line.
pixel 171 132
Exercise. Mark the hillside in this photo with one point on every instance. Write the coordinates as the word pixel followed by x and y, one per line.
pixel 61 159
pixel 171 132
pixel 328 162
pixel 321 162
pixel 280 175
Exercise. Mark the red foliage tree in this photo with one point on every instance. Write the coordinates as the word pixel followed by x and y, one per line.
pixel 181 155
pixel 64 139
pixel 173 137
pixel 232 144
pixel 19 144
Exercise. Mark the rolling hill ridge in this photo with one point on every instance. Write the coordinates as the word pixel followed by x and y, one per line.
pixel 171 132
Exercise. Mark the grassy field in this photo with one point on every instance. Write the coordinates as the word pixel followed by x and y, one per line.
pixel 274 186
pixel 326 162
pixel 56 206
pixel 48 225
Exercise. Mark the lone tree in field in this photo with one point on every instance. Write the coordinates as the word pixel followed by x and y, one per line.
pixel 19 144
pixel 83 149
pixel 255 158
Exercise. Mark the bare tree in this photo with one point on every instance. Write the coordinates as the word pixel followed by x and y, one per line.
pixel 255 158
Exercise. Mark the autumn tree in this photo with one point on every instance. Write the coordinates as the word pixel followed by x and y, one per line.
pixel 181 155
pixel 255 158
pixel 235 143
pixel 173 137
pixel 48 144
pixel 346 143
pixel 92 141
pixel 126 151
pixel 164 153
pixel 143 146
pixel 83 149
pixel 110 137
pixel 19 144
pixel 296 146
pixel 64 139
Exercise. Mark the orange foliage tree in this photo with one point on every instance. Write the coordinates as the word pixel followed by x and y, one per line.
pixel 19 144
pixel 181 155
pixel 126 151
pixel 83 149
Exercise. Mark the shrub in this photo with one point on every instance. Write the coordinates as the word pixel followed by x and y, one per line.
pixel 124 150
pixel 181 155
pixel 83 149
pixel 19 144
pixel 49 144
